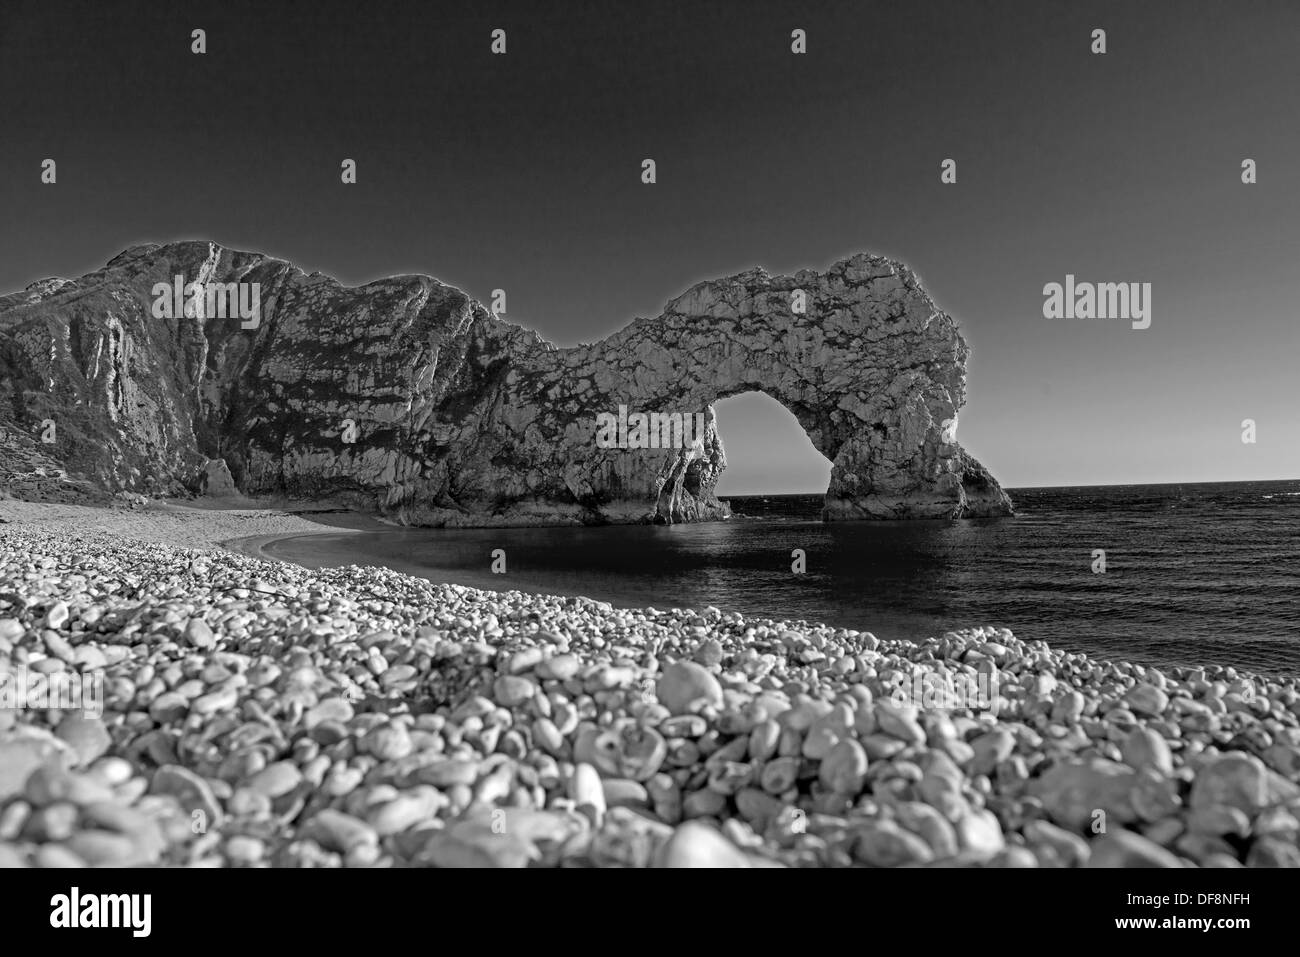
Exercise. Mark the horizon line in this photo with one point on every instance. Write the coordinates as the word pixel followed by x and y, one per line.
pixel 1031 488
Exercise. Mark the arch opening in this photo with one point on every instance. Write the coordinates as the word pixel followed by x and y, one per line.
pixel 768 451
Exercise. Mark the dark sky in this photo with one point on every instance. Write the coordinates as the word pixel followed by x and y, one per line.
pixel 523 172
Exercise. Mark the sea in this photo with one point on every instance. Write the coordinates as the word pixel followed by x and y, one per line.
pixel 1197 575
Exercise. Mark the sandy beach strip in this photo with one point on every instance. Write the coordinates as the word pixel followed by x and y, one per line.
pixel 241 526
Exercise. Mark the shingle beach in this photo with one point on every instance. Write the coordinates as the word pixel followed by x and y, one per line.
pixel 258 713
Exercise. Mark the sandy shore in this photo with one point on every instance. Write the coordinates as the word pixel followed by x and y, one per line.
pixel 166 700
pixel 242 526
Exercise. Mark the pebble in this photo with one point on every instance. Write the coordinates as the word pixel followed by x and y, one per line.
pixel 709 652
pixel 511 691
pixel 51 783
pixel 587 793
pixel 473 843
pixel 1122 848
pixel 388 742
pixel 57 856
pixel 339 832
pixel 623 792
pixel 641 753
pixel 57 822
pixel 884 844
pixel 548 736
pixel 87 737
pixel 1219 819
pixel 445 774
pixel 88 658
pixel 1144 748
pixel 1235 780
pixel 329 709
pixel 525 659
pixel 10 857
pixel 222 700
pixel 1068 708
pixel 1055 846
pixel 242 849
pixel 57 616
pixel 706 802
pixel 844 768
pixel 12 819
pixel 1270 852
pixel 169 708
pixel 1147 700
pixel 881 747
pixel 192 791
pixel 559 668
pixel 199 635
pixel 275 780
pixel 405 811
pixel 1072 791
pixel 930 825
pixel 899 721
pixel 686 686
pixel 22 752
pixel 990 750
pixel 780 775
pixel 697 845
pixel 105 848
pixel 979 833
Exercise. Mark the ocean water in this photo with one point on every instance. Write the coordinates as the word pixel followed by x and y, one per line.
pixel 1195 574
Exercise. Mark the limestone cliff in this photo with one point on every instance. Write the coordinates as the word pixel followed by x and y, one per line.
pixel 407 397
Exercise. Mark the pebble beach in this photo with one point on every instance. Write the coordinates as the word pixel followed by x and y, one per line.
pixel 255 713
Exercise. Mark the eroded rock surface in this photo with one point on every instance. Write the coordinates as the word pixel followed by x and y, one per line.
pixel 215 479
pixel 406 396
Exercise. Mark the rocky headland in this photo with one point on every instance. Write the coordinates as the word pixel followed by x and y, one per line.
pixel 408 398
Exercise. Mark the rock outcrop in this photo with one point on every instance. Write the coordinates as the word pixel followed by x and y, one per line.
pixel 407 397
pixel 215 480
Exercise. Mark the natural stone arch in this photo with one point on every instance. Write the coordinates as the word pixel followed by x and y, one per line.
pixel 873 371
pixel 461 418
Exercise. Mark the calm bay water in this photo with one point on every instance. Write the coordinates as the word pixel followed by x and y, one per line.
pixel 1195 574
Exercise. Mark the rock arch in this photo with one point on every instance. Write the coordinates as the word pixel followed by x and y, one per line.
pixel 873 371
pixel 463 419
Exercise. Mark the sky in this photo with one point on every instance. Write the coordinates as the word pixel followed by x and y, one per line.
pixel 522 172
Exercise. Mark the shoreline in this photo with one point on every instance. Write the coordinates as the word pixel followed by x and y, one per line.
pixel 199 524
pixel 444 562
pixel 255 546
pixel 227 523
pixel 357 716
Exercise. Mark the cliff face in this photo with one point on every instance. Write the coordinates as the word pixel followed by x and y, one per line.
pixel 406 396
